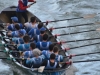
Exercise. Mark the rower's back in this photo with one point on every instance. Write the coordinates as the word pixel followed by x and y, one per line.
pixel 43 45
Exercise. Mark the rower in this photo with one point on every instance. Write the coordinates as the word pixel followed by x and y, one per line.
pixel 18 40
pixel 47 53
pixel 43 45
pixel 18 31
pixel 31 24
pixel 11 27
pixel 40 37
pixel 36 61
pixel 26 45
pixel 29 53
pixel 35 31
pixel 59 58
pixel 51 63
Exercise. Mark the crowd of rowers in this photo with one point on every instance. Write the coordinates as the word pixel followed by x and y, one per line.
pixel 31 38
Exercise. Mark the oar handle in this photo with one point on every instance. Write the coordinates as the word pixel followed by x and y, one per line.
pixel 33 3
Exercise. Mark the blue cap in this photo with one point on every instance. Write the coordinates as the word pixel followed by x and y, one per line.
pixel 43 29
pixel 21 33
pixel 15 19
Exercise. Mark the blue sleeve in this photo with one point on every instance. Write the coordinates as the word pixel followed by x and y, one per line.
pixel 20 48
pixel 21 25
pixel 9 27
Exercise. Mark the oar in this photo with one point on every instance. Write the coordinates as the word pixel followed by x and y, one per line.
pixel 70 62
pixel 75 32
pixel 29 4
pixel 73 55
pixel 85 61
pixel 10 51
pixel 8 44
pixel 9 58
pixel 74 25
pixel 81 46
pixel 85 17
pixel 79 40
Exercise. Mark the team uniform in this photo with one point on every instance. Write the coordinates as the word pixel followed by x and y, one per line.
pixel 23 47
pixel 18 40
pixel 50 65
pixel 59 58
pixel 33 32
pixel 46 54
pixel 28 54
pixel 38 38
pixel 18 32
pixel 11 27
pixel 43 45
pixel 34 62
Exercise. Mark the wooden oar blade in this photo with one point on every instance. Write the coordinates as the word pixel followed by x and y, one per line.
pixel 89 16
pixel 41 69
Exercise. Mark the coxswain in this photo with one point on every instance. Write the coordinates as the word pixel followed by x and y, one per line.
pixel 11 27
pixel 43 45
pixel 59 58
pixel 17 32
pixel 21 9
pixel 36 61
pixel 26 45
pixel 47 53
pixel 31 24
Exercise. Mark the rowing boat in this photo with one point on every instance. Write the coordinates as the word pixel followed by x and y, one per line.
pixel 5 18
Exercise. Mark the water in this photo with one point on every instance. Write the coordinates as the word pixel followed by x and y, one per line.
pixel 61 9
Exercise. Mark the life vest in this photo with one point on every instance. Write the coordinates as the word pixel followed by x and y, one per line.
pixel 25 2
pixel 50 67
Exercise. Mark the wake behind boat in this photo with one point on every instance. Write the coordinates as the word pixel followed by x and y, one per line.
pixel 5 17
